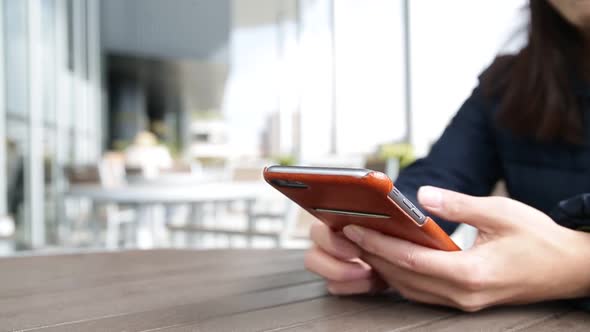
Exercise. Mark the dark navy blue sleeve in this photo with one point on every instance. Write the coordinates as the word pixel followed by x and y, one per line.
pixel 464 158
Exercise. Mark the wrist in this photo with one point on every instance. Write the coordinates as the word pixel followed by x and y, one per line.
pixel 579 248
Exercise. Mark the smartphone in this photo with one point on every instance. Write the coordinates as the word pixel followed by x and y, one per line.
pixel 352 196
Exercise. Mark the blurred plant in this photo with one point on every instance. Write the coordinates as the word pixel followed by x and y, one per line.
pixel 48 165
pixel 211 162
pixel 404 152
pixel 160 128
pixel 121 145
pixel 285 160
pixel 206 115
pixel 174 148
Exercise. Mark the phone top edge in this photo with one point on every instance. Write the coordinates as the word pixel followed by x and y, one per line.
pixel 355 172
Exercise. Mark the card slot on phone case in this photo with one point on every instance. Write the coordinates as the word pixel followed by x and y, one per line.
pixel 353 213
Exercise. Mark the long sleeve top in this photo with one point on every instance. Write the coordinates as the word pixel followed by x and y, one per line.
pixel 474 152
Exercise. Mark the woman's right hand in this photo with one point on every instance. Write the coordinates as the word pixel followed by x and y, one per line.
pixel 336 259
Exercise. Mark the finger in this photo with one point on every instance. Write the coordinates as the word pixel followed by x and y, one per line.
pixel 399 277
pixel 361 286
pixel 321 263
pixel 410 256
pixel 404 282
pixel 333 243
pixel 485 213
pixel 422 297
pixel 459 295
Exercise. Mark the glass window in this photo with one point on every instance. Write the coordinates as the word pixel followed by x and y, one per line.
pixel 16 86
pixel 15 30
pixel 49 60
pixel 61 43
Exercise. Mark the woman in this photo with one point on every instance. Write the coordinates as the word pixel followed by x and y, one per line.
pixel 527 123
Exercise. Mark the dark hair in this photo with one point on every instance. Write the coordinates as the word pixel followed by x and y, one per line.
pixel 536 86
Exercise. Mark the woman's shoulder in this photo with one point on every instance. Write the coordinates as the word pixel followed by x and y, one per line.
pixel 493 81
pixel 495 77
pixel 501 65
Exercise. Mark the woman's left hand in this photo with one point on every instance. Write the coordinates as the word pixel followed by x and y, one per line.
pixel 520 256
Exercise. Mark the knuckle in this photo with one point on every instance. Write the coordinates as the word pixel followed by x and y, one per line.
pixel 325 271
pixel 406 293
pixel 502 203
pixel 376 244
pixel 410 260
pixel 315 230
pixel 455 207
pixel 332 288
pixel 469 302
pixel 474 282
pixel 311 261
pixel 472 309
pixel 476 276
pixel 338 275
pixel 309 258
pixel 372 245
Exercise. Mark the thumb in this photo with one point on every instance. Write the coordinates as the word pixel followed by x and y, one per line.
pixel 488 214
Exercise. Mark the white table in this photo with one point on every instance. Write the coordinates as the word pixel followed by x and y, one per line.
pixel 146 196
pixel 162 194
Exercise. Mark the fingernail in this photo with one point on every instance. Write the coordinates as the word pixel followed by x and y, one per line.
pixel 354 233
pixel 430 197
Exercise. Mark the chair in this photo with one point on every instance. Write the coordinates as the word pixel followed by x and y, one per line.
pixel 110 172
pixel 297 225
pixel 81 208
pixel 264 217
pixel 287 229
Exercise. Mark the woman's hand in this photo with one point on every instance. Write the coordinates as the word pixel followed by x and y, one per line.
pixel 336 259
pixel 520 256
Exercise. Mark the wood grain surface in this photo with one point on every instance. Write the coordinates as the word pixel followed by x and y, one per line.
pixel 224 290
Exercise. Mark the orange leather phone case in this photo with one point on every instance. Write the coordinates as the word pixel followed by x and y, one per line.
pixel 366 193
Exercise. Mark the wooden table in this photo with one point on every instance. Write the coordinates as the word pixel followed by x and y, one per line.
pixel 172 290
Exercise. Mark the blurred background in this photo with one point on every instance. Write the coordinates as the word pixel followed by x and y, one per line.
pixel 146 123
